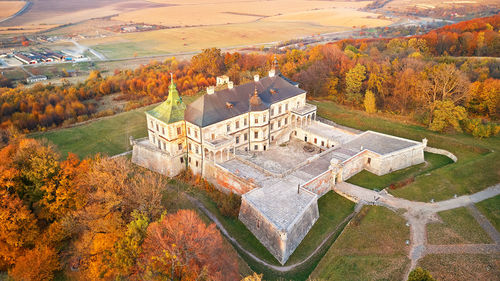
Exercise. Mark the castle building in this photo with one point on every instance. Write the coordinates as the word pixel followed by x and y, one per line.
pixel 262 141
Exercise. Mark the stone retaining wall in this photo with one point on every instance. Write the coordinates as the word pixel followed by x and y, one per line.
pixel 441 152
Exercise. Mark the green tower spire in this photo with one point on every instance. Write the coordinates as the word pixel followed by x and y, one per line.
pixel 172 109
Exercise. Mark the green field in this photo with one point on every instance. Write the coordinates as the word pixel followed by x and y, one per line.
pixel 476 169
pixel 462 267
pixel 458 227
pixel 372 181
pixel 372 247
pixel 491 209
pixel 108 136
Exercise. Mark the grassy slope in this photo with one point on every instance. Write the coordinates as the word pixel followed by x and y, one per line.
pixel 458 227
pixel 372 181
pixel 491 209
pixel 475 170
pixel 372 247
pixel 462 267
pixel 109 135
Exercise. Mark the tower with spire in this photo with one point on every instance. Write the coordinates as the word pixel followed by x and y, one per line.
pixel 166 127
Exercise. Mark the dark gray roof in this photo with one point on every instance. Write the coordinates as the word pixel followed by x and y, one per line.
pixel 210 109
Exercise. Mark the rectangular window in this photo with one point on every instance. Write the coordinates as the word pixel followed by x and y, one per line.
pixel 264 119
pixel 237 125
pixel 256 135
pixel 189 131
pixel 322 143
pixel 228 127
pixel 163 130
pixel 244 122
pixel 286 121
pixel 182 159
pixel 245 137
pixel 256 147
pixel 272 111
pixel 279 123
pixel 279 109
pixel 256 121
pixel 190 147
pixel 197 150
pixel 179 146
pixel 286 107
pixel 369 161
pixel 272 126
pixel 196 163
pixel 179 130
pixel 237 140
pixel 164 146
pixel 152 125
pixel 189 160
pixel 315 140
pixel 195 134
pixel 157 128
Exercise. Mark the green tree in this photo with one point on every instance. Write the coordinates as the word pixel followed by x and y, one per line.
pixel 128 249
pixel 447 114
pixel 420 274
pixel 354 81
pixel 369 102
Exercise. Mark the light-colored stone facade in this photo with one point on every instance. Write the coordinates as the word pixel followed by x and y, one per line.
pixel 277 156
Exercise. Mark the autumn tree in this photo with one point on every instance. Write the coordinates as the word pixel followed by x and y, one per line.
pixel 18 228
pixel 447 114
pixel 181 247
pixel 209 62
pixel 354 81
pixel 420 274
pixel 38 264
pixel 443 82
pixel 370 103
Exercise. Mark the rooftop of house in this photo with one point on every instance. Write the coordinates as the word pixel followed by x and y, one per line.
pixel 379 143
pixel 213 108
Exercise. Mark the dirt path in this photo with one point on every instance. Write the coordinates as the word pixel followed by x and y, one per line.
pixel 259 260
pixel 419 214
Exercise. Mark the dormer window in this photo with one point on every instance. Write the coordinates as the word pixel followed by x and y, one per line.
pixel 273 91
pixel 229 105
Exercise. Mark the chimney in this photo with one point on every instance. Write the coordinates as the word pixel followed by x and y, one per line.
pixel 230 85
pixel 256 78
pixel 210 90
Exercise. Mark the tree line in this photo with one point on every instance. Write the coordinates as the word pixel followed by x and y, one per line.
pixel 99 219
pixel 414 76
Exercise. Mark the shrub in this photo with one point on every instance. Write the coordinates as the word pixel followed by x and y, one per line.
pixel 480 129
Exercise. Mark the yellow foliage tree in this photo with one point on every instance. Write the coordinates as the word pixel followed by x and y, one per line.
pixel 370 102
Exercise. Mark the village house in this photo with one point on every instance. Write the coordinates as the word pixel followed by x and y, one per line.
pixel 262 140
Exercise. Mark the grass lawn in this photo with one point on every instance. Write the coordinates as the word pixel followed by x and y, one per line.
pixel 372 181
pixel 458 227
pixel 109 135
pixel 372 247
pixel 476 169
pixel 462 267
pixel 491 209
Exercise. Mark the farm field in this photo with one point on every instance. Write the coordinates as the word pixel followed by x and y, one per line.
pixel 9 8
pixel 372 247
pixel 191 39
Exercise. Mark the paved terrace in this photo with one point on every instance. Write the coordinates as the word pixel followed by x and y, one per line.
pixel 379 143
pixel 330 132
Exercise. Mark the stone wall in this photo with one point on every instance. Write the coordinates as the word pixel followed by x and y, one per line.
pixel 156 160
pixel 353 166
pixel 441 152
pixel 225 180
pixel 281 243
pixel 299 229
pixel 261 228
pixel 396 161
pixel 320 184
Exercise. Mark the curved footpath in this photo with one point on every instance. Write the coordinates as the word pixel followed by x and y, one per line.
pixel 419 214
